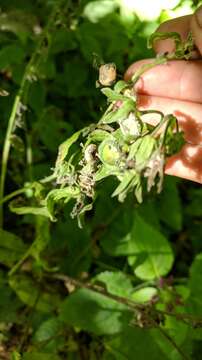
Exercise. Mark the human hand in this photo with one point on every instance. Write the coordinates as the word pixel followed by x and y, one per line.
pixel 176 88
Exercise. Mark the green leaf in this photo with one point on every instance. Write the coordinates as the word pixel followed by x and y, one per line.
pixel 10 305
pixel 36 98
pixel 163 36
pixel 105 171
pixel 54 196
pixel 51 128
pixel 117 283
pixel 149 252
pixel 47 329
pixel 97 135
pixel 129 179
pixel 120 113
pixel 22 210
pixel 113 95
pixel 11 54
pixel 75 243
pixel 144 150
pixel 134 343
pixel 120 86
pixel 94 312
pixel 62 40
pixel 65 146
pixel 117 240
pixel 144 295
pixel 195 285
pixel 149 243
pixel 96 10
pixel 11 248
pixel 15 355
pixel 32 295
pixel 49 335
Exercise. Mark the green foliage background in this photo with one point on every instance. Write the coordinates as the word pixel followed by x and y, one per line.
pixel 150 252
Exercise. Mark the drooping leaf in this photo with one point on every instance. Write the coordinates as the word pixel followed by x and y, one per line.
pixel 65 146
pixel 22 210
pixel 145 150
pixel 55 195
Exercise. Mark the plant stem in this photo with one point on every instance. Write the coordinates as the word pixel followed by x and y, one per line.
pixel 13 194
pixel 158 61
pixel 21 261
pixel 6 148
pixel 25 83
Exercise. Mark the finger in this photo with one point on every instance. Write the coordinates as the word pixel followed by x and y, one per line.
pixel 196 28
pixel 176 79
pixel 186 164
pixel 180 25
pixel 187 113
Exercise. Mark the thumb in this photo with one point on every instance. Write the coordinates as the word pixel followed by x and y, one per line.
pixel 196 28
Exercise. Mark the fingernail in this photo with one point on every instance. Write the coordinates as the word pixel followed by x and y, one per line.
pixel 198 14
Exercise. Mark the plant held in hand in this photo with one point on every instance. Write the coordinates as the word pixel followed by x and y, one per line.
pixel 121 145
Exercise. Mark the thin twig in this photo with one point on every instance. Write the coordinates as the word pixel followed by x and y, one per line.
pixel 131 304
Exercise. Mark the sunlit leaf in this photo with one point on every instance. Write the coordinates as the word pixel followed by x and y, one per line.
pixel 116 283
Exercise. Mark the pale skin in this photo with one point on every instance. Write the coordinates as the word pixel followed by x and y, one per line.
pixel 177 88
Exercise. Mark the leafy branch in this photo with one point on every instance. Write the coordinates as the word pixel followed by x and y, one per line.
pixel 145 315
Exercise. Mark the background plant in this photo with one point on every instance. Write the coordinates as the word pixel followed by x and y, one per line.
pixel 140 255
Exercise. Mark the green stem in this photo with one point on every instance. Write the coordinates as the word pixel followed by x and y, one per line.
pixel 48 179
pixel 18 99
pixel 158 61
pixel 6 148
pixel 13 194
pixel 20 262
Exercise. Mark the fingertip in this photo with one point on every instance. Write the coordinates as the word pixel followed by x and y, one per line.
pixel 180 25
pixel 196 28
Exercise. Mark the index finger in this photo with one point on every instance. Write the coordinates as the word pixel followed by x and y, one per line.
pixel 180 25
